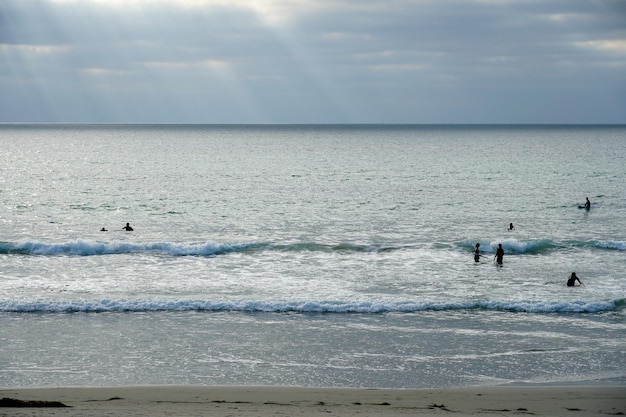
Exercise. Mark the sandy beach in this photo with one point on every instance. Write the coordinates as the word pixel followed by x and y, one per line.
pixel 580 401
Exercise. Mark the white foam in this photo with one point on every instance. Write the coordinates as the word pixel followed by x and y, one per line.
pixel 337 307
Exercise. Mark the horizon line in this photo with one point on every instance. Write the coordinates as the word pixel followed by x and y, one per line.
pixel 5 123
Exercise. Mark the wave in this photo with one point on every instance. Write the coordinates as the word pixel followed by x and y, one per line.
pixel 333 307
pixel 608 244
pixel 82 247
pixel 541 246
pixel 513 246
pixel 89 248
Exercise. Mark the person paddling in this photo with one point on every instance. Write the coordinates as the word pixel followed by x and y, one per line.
pixel 573 279
pixel 587 205
pixel 127 227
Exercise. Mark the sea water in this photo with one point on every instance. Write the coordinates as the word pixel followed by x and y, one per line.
pixel 311 255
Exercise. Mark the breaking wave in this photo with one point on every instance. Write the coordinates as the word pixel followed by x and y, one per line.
pixel 335 307
pixel 89 248
pixel 82 247
pixel 541 246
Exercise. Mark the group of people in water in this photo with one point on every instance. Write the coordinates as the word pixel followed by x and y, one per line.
pixel 498 256
pixel 573 280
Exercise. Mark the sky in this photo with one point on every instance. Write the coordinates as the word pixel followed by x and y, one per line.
pixel 313 61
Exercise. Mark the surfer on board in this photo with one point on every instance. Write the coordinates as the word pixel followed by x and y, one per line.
pixel 511 227
pixel 499 254
pixel 127 227
pixel 573 279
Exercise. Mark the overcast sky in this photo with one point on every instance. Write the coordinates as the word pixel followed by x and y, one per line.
pixel 313 61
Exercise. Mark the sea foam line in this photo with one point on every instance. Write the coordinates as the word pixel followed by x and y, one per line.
pixel 331 307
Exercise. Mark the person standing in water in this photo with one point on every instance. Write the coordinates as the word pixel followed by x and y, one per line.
pixel 573 279
pixel 477 253
pixel 587 203
pixel 127 227
pixel 511 227
pixel 499 254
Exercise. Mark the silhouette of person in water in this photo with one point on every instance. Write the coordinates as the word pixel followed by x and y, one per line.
pixel 511 227
pixel 127 227
pixel 499 254
pixel 477 253
pixel 573 279
pixel 103 230
pixel 587 203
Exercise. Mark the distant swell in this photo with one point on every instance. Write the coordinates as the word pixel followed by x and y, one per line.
pixel 336 307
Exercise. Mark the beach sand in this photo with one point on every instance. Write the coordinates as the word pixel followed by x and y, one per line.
pixel 183 401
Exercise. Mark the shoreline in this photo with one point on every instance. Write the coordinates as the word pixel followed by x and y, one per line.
pixel 265 401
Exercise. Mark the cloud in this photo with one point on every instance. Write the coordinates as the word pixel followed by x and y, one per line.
pixel 618 46
pixel 275 61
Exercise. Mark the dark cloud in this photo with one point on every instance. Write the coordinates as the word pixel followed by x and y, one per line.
pixel 323 62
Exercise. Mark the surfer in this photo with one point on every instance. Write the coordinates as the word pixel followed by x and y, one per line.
pixel 511 227
pixel 499 254
pixel 127 227
pixel 103 230
pixel 573 279
pixel 587 205
pixel 477 253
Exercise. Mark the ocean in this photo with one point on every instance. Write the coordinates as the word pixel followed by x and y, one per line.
pixel 316 256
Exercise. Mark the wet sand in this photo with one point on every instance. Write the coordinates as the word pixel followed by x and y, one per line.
pixel 155 401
